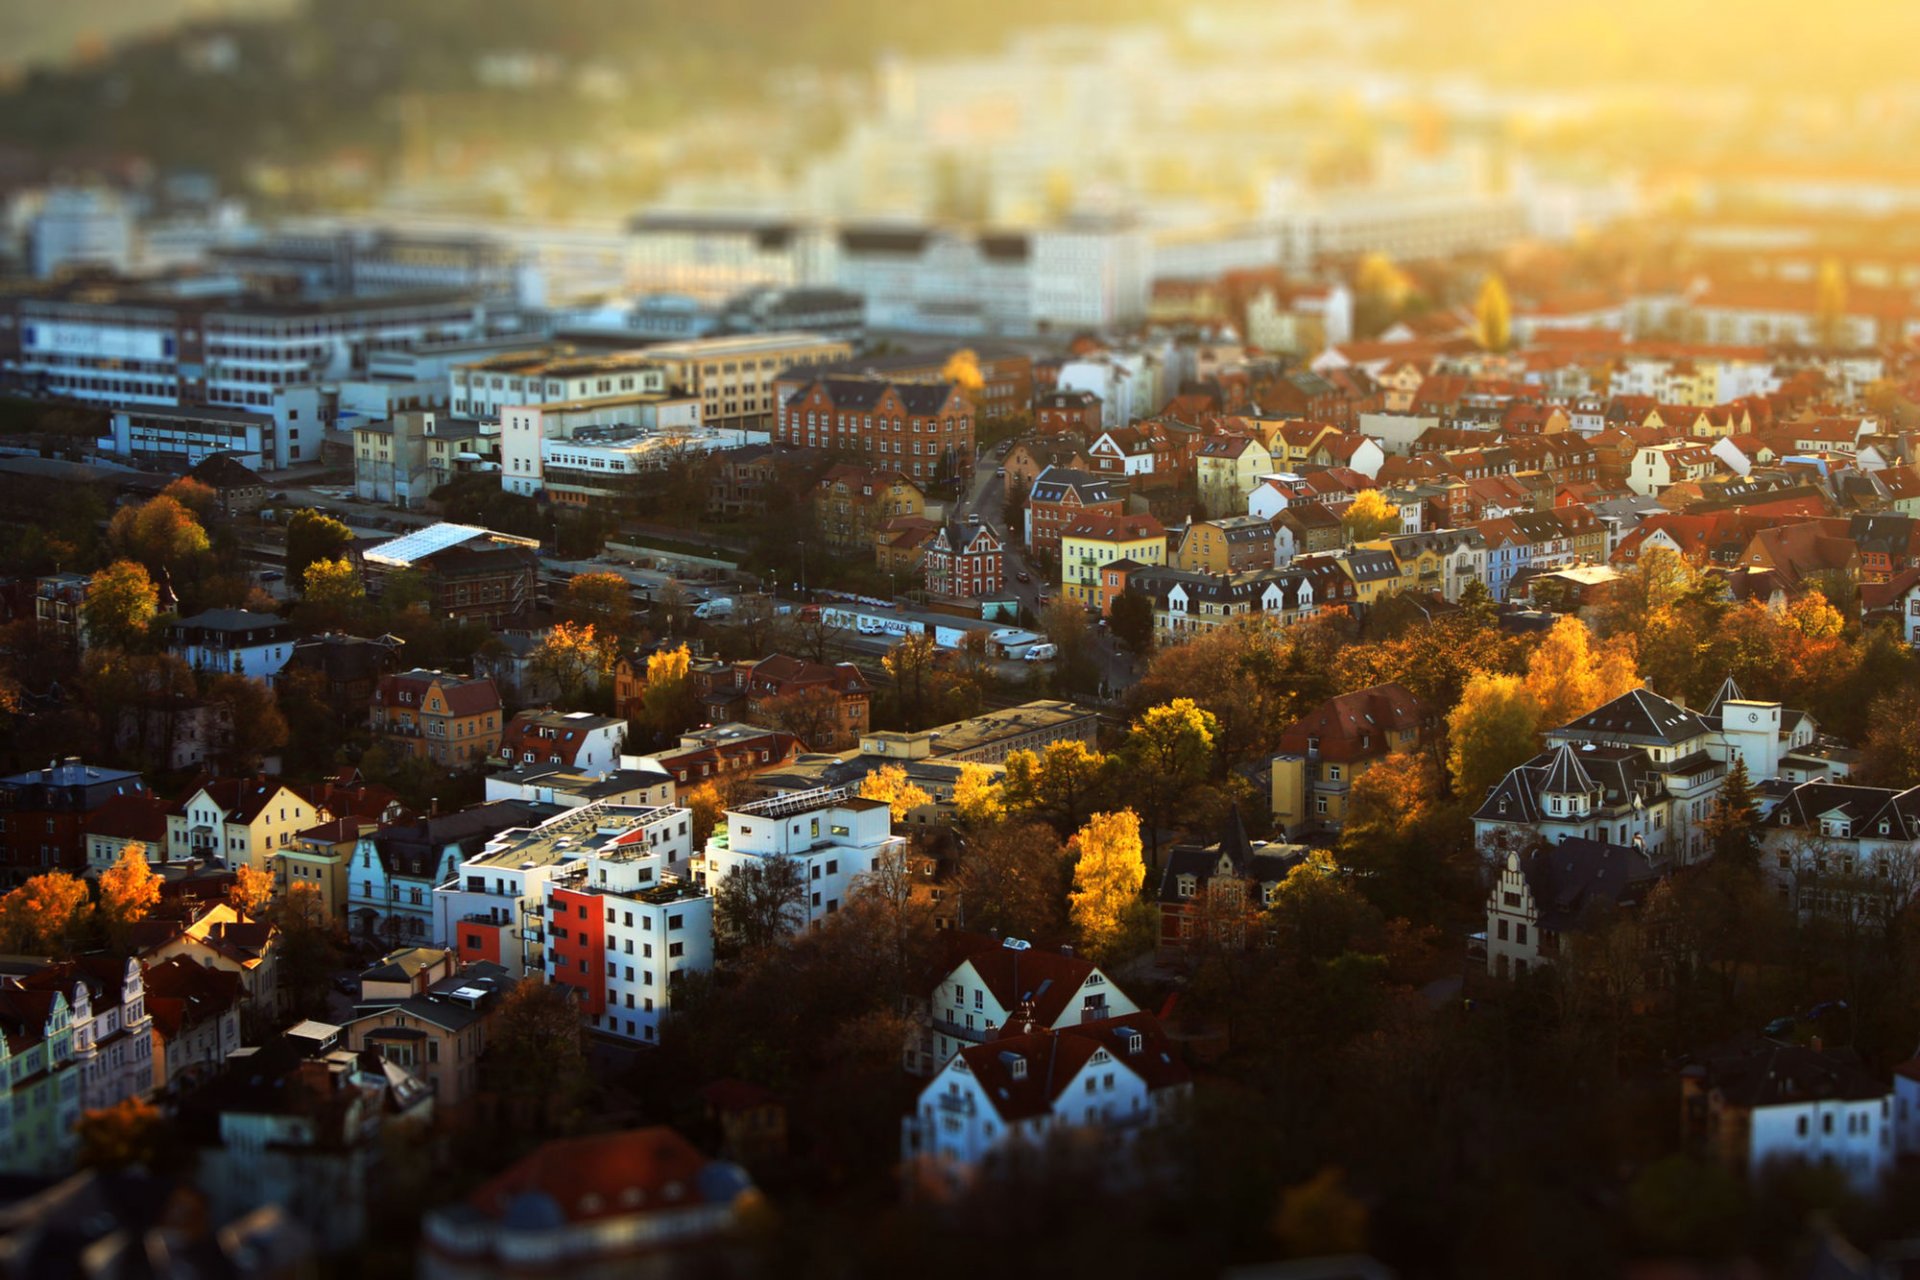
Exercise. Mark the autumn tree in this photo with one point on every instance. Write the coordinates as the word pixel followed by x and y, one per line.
pixel 1381 293
pixel 1168 752
pixel 1493 315
pixel 159 533
pixel 48 915
pixel 312 536
pixel 889 784
pixel 1014 877
pixel 132 1133
pixel 1064 783
pixel 1830 303
pixel 962 369
pixel 762 901
pixel 603 601
pixel 332 596
pixel 811 713
pixel 1130 618
pixel 255 727
pixel 575 658
pixel 911 664
pixel 669 703
pixel 1405 838
pixel 129 890
pixel 120 605
pixel 977 801
pixel 1568 675
pixel 1320 1217
pixel 1108 870
pixel 536 1050
pixel 1369 516
pixel 709 810
pixel 1317 915
pixel 195 496
pixel 251 891
pixel 1892 747
pixel 1489 733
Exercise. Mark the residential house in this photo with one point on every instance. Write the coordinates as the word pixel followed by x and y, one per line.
pixel 579 739
pixel 44 813
pixel 239 822
pixel 233 641
pixel 196 1020
pixel 126 820
pixel 1210 893
pixel 59 606
pixel 320 858
pixel 438 1034
pixel 1187 604
pixel 827 705
pixel 397 867
pixel 451 720
pixel 985 984
pixel 1028 459
pixel 726 751
pixel 1325 751
pixel 966 562
pixel 901 543
pixel 1658 466
pixel 1228 544
pixel 1760 1103
pixel 237 488
pixel 1067 412
pixel 1061 495
pixel 40 1083
pixel 1227 469
pixel 221 937
pixel 1547 895
pixel 1092 544
pixel 112 1028
pixel 851 504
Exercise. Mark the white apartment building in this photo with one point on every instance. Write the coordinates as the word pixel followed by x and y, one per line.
pixel 547 375
pixel 81 227
pixel 833 833
pixel 720 254
pixel 989 982
pixel 1767 1103
pixel 1129 384
pixel 232 641
pixel 664 422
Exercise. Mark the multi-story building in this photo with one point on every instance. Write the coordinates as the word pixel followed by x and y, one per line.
pixel 989 738
pixel 851 503
pixel 967 561
pixel 439 1033
pixel 1187 604
pixel 449 719
pixel 112 1028
pixel 727 751
pixel 471 573
pixel 835 835
pixel 575 739
pixel 396 868
pixel 542 375
pixel 1210 894
pixel 1760 1104
pixel 734 378
pixel 196 1020
pixel 237 821
pixel 402 459
pixel 41 1082
pixel 59 607
pixel 1542 899
pixel 988 983
pixel 1226 544
pixel 320 858
pixel 1076 412
pixel 176 435
pixel 827 704
pixel 704 254
pixel 1061 495
pixel 233 641
pixel 126 820
pixel 498 907
pixel 368 262
pixel 1090 543
pixel 921 429
pixel 1324 752
pixel 1229 467
pixel 44 813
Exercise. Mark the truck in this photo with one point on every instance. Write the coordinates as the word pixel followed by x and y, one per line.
pixel 721 607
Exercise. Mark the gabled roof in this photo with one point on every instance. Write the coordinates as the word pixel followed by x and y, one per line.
pixel 1343 724
pixel 1041 981
pixel 1760 1072
pixel 1025 1073
pixel 605 1175
pixel 1639 716
pixel 1576 874
pixel 1566 775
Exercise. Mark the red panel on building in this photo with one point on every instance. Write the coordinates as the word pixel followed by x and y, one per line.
pixel 577 940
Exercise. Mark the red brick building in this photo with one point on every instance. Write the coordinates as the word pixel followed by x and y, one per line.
pixel 1055 412
pixel 925 431
pixel 967 561
pixel 44 813
pixel 1061 495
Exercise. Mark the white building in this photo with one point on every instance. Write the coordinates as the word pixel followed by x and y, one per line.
pixel 1541 898
pixel 987 983
pixel 1127 383
pixel 548 375
pixel 223 641
pixel 1113 1077
pixel 1765 1103
pixel 81 227
pixel 188 436
pixel 834 834
pixel 574 739
pixel 112 1030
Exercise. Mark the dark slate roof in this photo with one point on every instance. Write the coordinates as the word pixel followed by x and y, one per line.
pixel 1569 877
pixel 1566 776
pixel 1640 716
pixel 1759 1072
pixel 224 471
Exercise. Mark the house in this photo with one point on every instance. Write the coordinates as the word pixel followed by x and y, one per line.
pixel 438 1034
pixel 1547 895
pixel 320 858
pixel 1067 412
pixel 1832 848
pixel 405 973
pixel 1207 892
pixel 965 561
pixel 126 820
pixel 239 821
pixel 851 503
pixel 901 543
pixel 922 429
pixel 470 573
pixel 1093 543
pixel 1657 467
pixel 1309 528
pixel 1759 1103
pixel 44 813
pixel 450 720
pixel 1108 1078
pixel 233 641
pixel 1061 495
pixel 1326 750
pixel 586 1205
pixel 1028 459
pixel 346 668
pixel 825 705
pixel 196 1020
pixel 112 1028
pixel 1897 598
pixel 578 739
pixel 1186 604
pixel 397 867
pixel 1226 544
pixel 983 984
pixel 220 937
pixel 41 1082
pixel 59 606
pixel 1227 470
pixel 237 488
pixel 835 835
pixel 725 751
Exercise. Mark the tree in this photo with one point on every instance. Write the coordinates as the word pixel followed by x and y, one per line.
pixel 1317 915
pixel 194 496
pixel 1108 871
pixel 159 533
pixel 575 658
pixel 815 633
pixel 669 703
pixel 1319 1217
pixel 603 601
pixel 251 891
pixel 759 903
pixel 1065 623
pixel 46 916
pixel 976 797
pixel 1566 677
pixel 332 596
pixel 1369 516
pixel 1892 747
pixel 120 605
pixel 910 663
pixel 537 1052
pixel 1489 733
pixel 811 713
pixel 129 889
pixel 307 950
pixel 1063 784
pixel 255 727
pixel 1130 618
pixel 1381 292
pixel 1404 839
pixel 962 369
pixel 1732 828
pixel 709 809
pixel 129 1134
pixel 1014 877
pixel 1493 316
pixel 889 783
pixel 1169 751
pixel 312 536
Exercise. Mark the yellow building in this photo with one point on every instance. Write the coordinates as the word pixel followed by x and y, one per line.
pixel 733 378
pixel 451 720
pixel 1376 574
pixel 1323 752
pixel 1228 467
pixel 319 858
pixel 239 821
pixel 1089 543
pixel 1230 544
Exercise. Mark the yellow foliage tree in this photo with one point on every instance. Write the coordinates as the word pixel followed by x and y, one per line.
pixel 962 369
pixel 129 889
pixel 573 657
pixel 45 916
pixel 120 605
pixel 1493 315
pixel 1378 278
pixel 331 594
pixel 708 809
pixel 128 1133
pixel 1062 783
pixel 252 890
pixel 1109 868
pixel 889 783
pixel 1369 516
pixel 1568 675
pixel 1319 1217
pixel 1830 302
pixel 1489 732
pixel 976 796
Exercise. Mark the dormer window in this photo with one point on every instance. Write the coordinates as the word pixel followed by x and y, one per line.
pixel 1187 885
pixel 1136 1042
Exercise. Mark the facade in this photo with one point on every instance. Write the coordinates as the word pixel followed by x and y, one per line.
pixel 222 641
pixel 44 813
pixel 1324 752
pixel 988 983
pixel 196 1020
pixel 1061 495
pixel 1229 544
pixel 1067 412
pixel 320 858
pixel 239 821
pixel 1210 893
pixel 111 1026
pixel 922 430
pixel 437 1034
pixel 575 739
pixel 851 504
pixel 451 720
pixel 59 606
pixel 471 573
pixel 833 834
pixel 1229 468
pixel 396 869
pixel 733 378
pixel 546 374
pixel 583 450
pixel 401 460
pixel 1091 544
pixel 967 561
pixel 42 1082
pixel 1544 897
pixel 1761 1103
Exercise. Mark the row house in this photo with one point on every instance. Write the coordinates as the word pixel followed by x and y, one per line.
pixel 1658 466
pixel 1061 495
pixel 40 1082
pixel 1091 548
pixel 1546 895
pixel 1443 561
pixel 239 822
pixel 196 1019
pixel 123 821
pixel 1375 573
pixel 1186 604
pixel 575 739
pixel 450 720
pixel 1303 393
pixel 986 984
pixel 727 751
pixel 923 430
pixel 497 906
pixel 1760 1104
pixel 437 1033
pixel 851 503
pixel 965 561
pixel 111 1026
pixel 1306 528
pixel 1027 460
pixel 1229 544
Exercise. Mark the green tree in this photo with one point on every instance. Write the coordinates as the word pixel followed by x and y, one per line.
pixel 312 536
pixel 1130 618
pixel 120 606
pixel 332 596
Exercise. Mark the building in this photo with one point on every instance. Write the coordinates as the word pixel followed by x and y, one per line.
pixel 320 858
pixel 1229 468
pixel 59 607
pixel 545 374
pixel 111 1026
pixel 640 1201
pixel 41 1083
pixel 989 738
pixel 44 813
pixel 451 720
pixel 1092 543
pixel 1229 544
pixel 1061 495
pixel 239 822
pixel 1760 1103
pixel 1545 897
pixel 574 739
pixel 221 938
pixel 1326 750
pixel 966 561
pixel 438 1033
pixel 851 504
pixel 397 868
pixel 1033 1084
pixel 233 641
pixel 826 705
pixel 81 227
pixel 1186 604
pixel 1067 413
pixel 1212 893
pixel 348 668
pixel 471 573
pixel 196 1020
pixel 639 781
pixel 726 751
pixel 986 984
pixel 922 430
pixel 834 835
pixel 139 818
pixel 733 378
pixel 401 460
pixel 496 906
pixel 186 435
pixel 237 488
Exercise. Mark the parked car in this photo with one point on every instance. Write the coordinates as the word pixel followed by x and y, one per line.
pixel 1023 576
pixel 1000 474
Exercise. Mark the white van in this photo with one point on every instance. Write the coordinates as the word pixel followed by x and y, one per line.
pixel 1042 653
pixel 720 608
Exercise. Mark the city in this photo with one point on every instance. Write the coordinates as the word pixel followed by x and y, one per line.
pixel 1224 639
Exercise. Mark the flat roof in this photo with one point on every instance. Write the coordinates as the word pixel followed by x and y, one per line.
pixel 704 348
pixel 435 538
